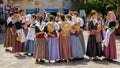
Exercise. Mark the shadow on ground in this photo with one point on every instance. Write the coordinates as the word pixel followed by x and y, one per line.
pixel 71 63
pixel 81 62
pixel 118 37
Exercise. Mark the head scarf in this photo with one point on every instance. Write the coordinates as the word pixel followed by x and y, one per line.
pixel 28 17
pixel 112 16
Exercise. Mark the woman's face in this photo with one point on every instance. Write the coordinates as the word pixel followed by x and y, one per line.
pixel 32 18
pixel 95 16
pixel 17 18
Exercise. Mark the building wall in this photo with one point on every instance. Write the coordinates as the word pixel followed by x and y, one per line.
pixel 24 4
pixel 5 1
pixel 51 4
pixel 68 4
pixel 43 4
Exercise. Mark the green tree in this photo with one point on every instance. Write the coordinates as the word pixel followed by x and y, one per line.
pixel 102 5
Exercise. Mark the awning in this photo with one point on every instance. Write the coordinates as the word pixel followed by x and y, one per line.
pixel 51 10
pixel 65 11
pixel 30 11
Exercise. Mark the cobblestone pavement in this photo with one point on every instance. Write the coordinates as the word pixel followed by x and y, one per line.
pixel 8 60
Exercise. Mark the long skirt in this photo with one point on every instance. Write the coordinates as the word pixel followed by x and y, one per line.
pixel 81 37
pixel 9 38
pixel 18 47
pixel 53 48
pixel 41 48
pixel 99 51
pixel 30 46
pixel 91 46
pixel 65 46
pixel 77 50
pixel 110 51
pixel 98 44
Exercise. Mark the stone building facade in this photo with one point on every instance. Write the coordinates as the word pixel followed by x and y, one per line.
pixel 42 4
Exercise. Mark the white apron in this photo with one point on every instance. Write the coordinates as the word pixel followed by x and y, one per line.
pixel 21 32
pixel 31 34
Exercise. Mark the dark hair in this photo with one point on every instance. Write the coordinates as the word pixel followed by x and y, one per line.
pixel 51 17
pixel 40 18
pixel 34 16
pixel 112 24
pixel 76 13
pixel 62 17
pixel 11 14
pixel 93 12
pixel 21 10
pixel 68 16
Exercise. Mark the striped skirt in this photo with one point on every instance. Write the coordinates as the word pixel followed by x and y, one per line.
pixel 9 39
pixel 65 46
pixel 53 48
pixel 77 50
pixel 40 48
pixel 18 47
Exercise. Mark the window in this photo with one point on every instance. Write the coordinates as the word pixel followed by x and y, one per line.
pixel 36 2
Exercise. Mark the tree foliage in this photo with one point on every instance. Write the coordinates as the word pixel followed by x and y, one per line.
pixel 100 5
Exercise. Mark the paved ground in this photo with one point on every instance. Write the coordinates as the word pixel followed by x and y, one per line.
pixel 7 60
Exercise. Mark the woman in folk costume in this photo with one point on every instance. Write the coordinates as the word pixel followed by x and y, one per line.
pixel 110 52
pixel 100 21
pixel 63 19
pixel 40 48
pixel 19 36
pixel 69 19
pixel 81 37
pixel 64 41
pixel 58 17
pixel 52 29
pixel 77 50
pixel 56 23
pixel 99 40
pixel 9 38
pixel 22 15
pixel 31 35
pixel 53 43
pixel 91 45
pixel 26 22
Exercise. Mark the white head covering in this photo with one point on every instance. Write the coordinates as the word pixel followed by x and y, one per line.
pixel 9 20
pixel 28 17
pixel 112 16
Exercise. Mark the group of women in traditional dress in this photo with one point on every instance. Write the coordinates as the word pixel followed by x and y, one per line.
pixel 99 32
pixel 60 37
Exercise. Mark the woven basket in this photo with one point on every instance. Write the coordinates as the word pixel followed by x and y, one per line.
pixel 50 27
pixel 76 27
pixel 19 38
pixel 65 27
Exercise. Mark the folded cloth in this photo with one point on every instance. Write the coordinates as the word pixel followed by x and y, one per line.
pixel 20 32
pixel 107 36
pixel 31 34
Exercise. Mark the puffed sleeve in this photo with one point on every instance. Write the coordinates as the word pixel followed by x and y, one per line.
pixel 57 27
pixel 42 26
